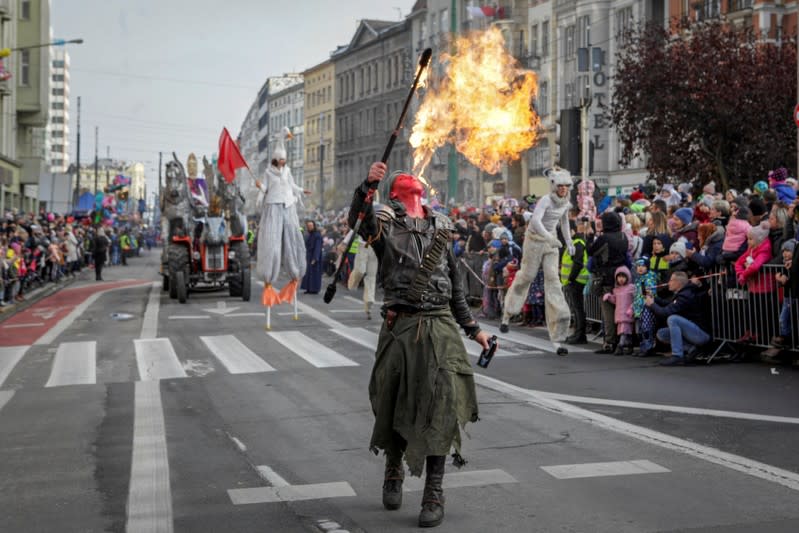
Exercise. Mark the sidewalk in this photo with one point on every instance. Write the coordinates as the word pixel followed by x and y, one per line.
pixel 144 267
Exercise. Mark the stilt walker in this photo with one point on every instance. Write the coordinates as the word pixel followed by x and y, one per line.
pixel 542 250
pixel 280 242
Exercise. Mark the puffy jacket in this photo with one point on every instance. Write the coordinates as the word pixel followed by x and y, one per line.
pixel 399 242
pixel 608 251
pixel 757 281
pixel 708 256
pixel 687 303
pixel 785 193
pixel 623 296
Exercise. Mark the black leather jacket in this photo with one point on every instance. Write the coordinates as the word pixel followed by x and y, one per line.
pixel 399 242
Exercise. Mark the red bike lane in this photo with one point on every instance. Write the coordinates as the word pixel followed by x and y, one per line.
pixel 29 325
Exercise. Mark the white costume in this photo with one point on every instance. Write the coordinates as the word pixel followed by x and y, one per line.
pixel 542 248
pixel 365 268
pixel 280 241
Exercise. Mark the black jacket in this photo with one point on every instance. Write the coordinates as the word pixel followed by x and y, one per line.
pixel 689 302
pixel 399 242
pixel 609 250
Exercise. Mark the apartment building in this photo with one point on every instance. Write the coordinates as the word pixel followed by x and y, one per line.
pixel 320 116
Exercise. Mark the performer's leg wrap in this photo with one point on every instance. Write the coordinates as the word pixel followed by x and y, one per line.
pixel 557 310
pixel 531 261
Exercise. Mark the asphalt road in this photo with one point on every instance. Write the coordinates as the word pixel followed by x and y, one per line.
pixel 121 409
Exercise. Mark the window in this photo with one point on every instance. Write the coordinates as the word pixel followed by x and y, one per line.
pixel 568 41
pixel 25 9
pixel 58 133
pixel 423 29
pixel 58 63
pixel 543 99
pixel 624 20
pixel 584 30
pixel 444 20
pixel 534 40
pixel 329 121
pixel 58 77
pixel 368 79
pixel 708 9
pixel 58 147
pixel 57 106
pixel 545 39
pixel 25 68
pixel 57 120
pixel 58 91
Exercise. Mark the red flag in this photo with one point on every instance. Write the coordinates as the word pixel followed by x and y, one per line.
pixel 230 157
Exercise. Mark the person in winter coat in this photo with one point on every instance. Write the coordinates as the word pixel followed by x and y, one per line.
pixel 71 258
pixel 312 281
pixel 100 253
pixel 655 225
pixel 759 284
pixel 585 199
pixel 789 280
pixel 777 220
pixel 777 181
pixel 711 237
pixel 645 284
pixel 622 297
pixel 685 226
pixel 736 234
pixel 574 276
pixel 608 252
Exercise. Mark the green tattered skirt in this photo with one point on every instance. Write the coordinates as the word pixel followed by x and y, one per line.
pixel 422 387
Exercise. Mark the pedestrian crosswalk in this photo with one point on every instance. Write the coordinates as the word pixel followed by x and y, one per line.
pixel 75 363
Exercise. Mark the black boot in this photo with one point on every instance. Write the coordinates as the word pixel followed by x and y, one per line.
pixel 433 498
pixel 392 483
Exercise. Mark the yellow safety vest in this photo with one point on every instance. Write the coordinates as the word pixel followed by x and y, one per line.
pixel 566 264
pixel 354 247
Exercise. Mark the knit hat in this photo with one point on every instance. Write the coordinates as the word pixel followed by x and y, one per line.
pixel 678 248
pixel 780 174
pixel 789 245
pixel 760 232
pixel 710 188
pixel 685 215
pixel 708 200
pixel 495 244
pixel 642 261
pixel 743 213
pixel 757 207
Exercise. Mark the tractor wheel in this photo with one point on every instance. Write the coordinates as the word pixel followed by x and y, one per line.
pixel 245 284
pixel 178 263
pixel 165 282
pixel 234 283
pixel 182 288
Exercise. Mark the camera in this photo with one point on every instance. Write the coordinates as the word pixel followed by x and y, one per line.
pixel 488 353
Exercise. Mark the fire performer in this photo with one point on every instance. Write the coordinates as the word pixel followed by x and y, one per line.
pixel 280 241
pixel 541 249
pixel 422 385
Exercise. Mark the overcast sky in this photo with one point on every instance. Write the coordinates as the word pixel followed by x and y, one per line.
pixel 164 75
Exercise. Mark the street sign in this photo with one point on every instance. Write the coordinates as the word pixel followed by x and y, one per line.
pixel 796 114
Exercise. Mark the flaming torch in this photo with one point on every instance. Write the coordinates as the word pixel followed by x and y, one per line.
pixel 483 106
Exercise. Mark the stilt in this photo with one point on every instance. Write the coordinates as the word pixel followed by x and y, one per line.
pixel 296 314
pixel 268 319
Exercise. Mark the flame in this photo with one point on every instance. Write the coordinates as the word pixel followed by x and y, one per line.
pixel 482 105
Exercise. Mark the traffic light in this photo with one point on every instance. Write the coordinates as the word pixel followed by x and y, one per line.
pixel 569 139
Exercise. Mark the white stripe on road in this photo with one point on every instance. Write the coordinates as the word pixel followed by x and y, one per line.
pixel 67 321
pixel 5 396
pixel 318 315
pixel 149 506
pixel 315 353
pixel 156 359
pixel 29 325
pixel 519 338
pixel 189 317
pixel 346 311
pixel 75 363
pixel 245 314
pixel 475 478
pixel 361 336
pixel 615 468
pixel 235 356
pixel 149 326
pixel 9 357
pixel 271 476
pixel 671 408
pixel 669 442
pixel 290 493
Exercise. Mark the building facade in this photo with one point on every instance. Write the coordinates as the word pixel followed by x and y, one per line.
pixel 320 116
pixel 58 128
pixel 33 97
pixel 271 86
pixel 286 110
pixel 10 167
pixel 373 74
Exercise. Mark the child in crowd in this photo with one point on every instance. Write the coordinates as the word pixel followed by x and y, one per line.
pixel 659 262
pixel 622 297
pixel 645 283
pixel 677 262
pixel 535 299
pixel 789 283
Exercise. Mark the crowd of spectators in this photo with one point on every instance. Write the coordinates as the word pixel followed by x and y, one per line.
pixel 50 248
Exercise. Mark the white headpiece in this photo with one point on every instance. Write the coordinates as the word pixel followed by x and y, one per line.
pixel 558 176
pixel 280 148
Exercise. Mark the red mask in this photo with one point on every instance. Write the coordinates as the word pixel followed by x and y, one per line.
pixel 408 190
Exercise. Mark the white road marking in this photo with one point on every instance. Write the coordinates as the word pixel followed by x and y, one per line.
pixel 188 317
pixel 67 321
pixel 519 338
pixel 5 396
pixel 156 359
pixel 271 476
pixel 346 311
pixel 75 363
pixel 149 326
pixel 318 315
pixel 245 314
pixel 452 480
pixel 9 357
pixel 235 356
pixel 361 336
pixel 291 493
pixel 240 445
pixel 28 325
pixel 669 442
pixel 670 408
pixel 353 299
pixel 285 313
pixel 315 353
pixel 614 468
pixel 149 506
pixel 221 309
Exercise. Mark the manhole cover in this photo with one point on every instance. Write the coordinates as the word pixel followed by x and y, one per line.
pixel 121 316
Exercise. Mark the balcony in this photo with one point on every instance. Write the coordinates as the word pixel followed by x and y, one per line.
pixel 739 5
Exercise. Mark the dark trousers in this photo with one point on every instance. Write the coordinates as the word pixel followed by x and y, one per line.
pixel 608 311
pixel 574 297
pixel 98 266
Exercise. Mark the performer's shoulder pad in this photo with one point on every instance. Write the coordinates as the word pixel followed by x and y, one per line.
pixel 385 213
pixel 442 221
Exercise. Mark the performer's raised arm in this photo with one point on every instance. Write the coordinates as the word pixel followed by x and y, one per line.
pixel 369 225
